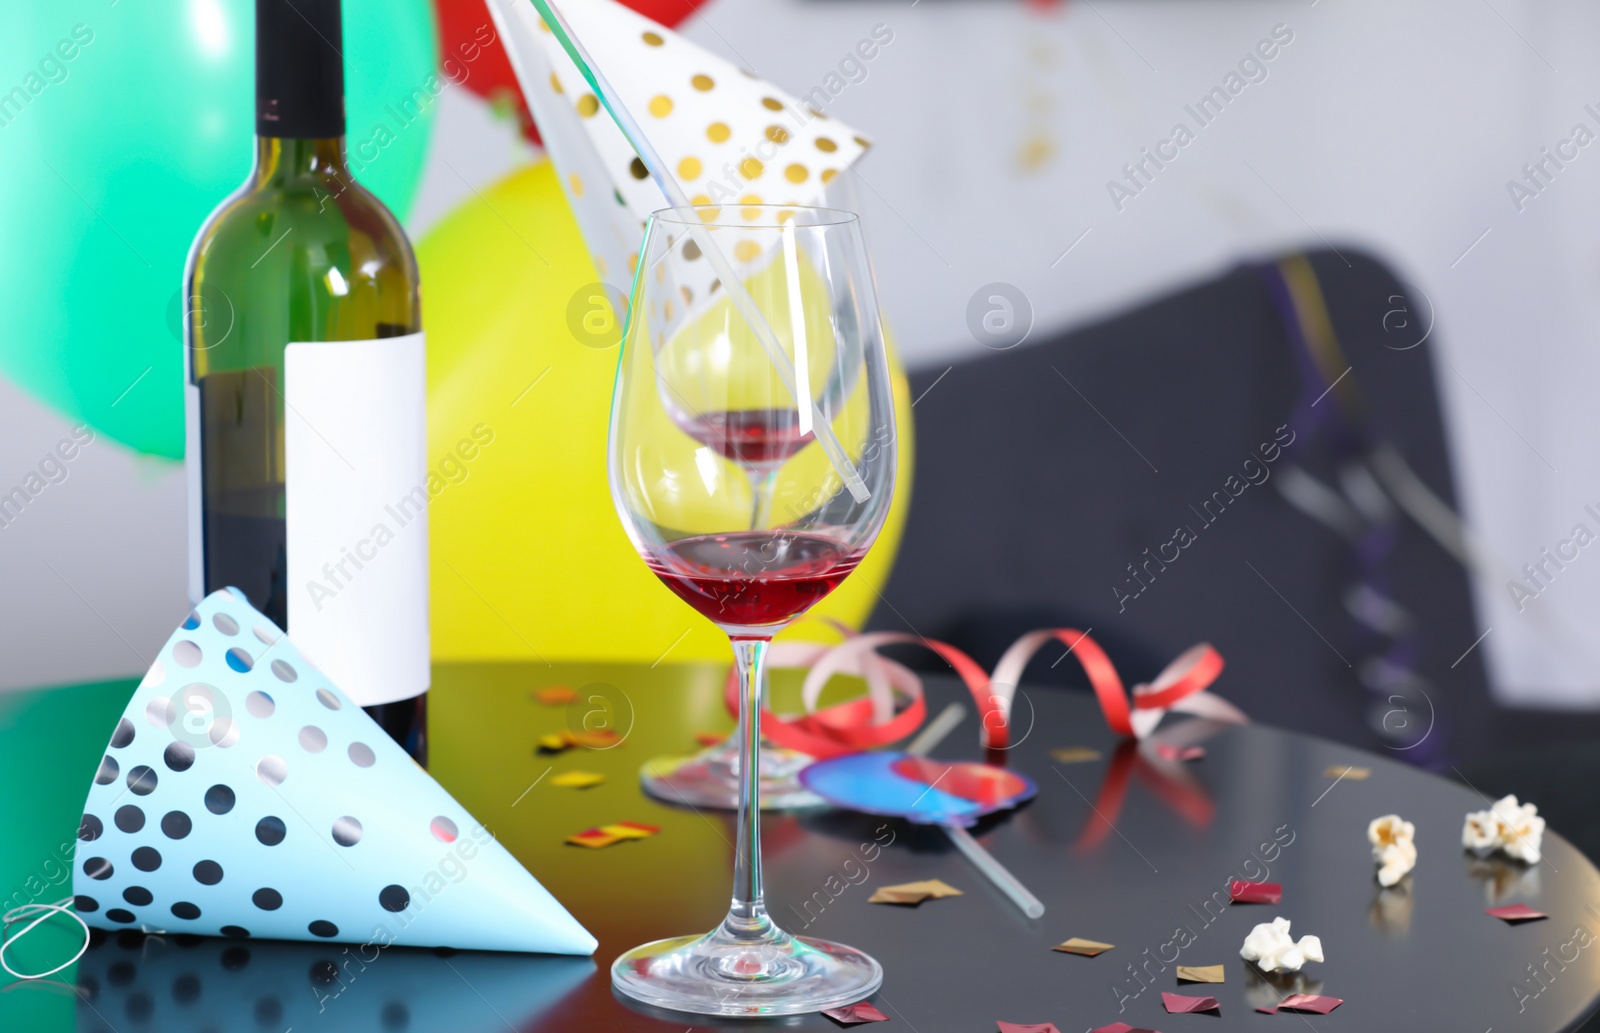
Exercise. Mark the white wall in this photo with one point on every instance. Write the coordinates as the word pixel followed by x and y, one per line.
pixel 1390 126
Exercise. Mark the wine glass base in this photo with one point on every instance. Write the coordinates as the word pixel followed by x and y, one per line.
pixel 718 974
pixel 710 778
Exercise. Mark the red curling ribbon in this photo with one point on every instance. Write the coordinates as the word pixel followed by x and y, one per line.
pixel 894 708
pixel 1181 686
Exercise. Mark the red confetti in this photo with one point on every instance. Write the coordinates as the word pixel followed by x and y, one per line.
pixel 1027 1027
pixel 1304 1002
pixel 1169 752
pixel 1514 913
pixel 1121 1027
pixel 1242 892
pixel 1310 1002
pixel 712 739
pixel 603 739
pixel 592 838
pixel 1183 1004
pixel 855 1014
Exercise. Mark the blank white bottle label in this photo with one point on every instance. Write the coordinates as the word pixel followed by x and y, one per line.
pixel 357 513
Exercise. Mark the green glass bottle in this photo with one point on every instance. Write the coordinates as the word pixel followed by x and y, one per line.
pixel 304 360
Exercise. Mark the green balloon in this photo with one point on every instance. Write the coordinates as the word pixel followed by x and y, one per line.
pixel 121 127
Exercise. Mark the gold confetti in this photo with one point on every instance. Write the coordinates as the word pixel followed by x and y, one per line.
pixel 577 780
pixel 1200 973
pixel 1087 948
pixel 913 892
pixel 555 742
pixel 1074 755
pixel 1348 772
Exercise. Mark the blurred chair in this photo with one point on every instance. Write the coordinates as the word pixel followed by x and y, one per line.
pixel 1172 475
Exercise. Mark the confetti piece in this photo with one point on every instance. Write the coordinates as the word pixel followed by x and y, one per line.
pixel 1027 1027
pixel 1303 1002
pixel 890 896
pixel 555 742
pixel 1087 948
pixel 1183 1004
pixel 1200 973
pixel 1074 755
pixel 1514 913
pixel 594 839
pixel 1348 772
pixel 1310 1002
pixel 913 892
pixel 577 780
pixel 630 830
pixel 855 1014
pixel 606 835
pixel 712 739
pixel 555 696
pixel 1242 892
pixel 1121 1027
pixel 1167 751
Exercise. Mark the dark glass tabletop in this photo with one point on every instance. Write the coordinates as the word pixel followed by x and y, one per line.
pixel 1125 848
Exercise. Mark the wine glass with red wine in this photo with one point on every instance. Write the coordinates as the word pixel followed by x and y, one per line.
pixel 752 468
pixel 734 416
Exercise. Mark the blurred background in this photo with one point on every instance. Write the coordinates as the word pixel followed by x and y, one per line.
pixel 1087 221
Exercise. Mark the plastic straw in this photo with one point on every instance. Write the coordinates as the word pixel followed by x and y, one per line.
pixel 708 246
pixel 934 731
pixel 931 735
pixel 1003 880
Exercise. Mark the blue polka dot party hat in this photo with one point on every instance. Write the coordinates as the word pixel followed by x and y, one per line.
pixel 243 795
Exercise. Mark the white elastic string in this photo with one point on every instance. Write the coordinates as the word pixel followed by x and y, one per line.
pixel 20 913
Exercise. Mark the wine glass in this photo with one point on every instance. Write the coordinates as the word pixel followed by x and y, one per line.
pixel 751 507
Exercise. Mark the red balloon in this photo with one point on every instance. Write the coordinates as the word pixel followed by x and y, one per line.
pixel 472 54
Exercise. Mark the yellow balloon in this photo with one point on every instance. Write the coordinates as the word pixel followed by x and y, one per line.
pixel 529 560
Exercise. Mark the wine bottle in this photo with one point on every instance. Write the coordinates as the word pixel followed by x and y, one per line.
pixel 304 364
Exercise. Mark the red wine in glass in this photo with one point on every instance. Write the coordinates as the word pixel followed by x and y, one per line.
pixel 753 578
pixel 754 437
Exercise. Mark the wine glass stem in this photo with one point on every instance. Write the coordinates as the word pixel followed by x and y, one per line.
pixel 747 917
pixel 761 482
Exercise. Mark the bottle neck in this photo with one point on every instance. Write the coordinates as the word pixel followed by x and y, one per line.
pixel 299 69
pixel 280 159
